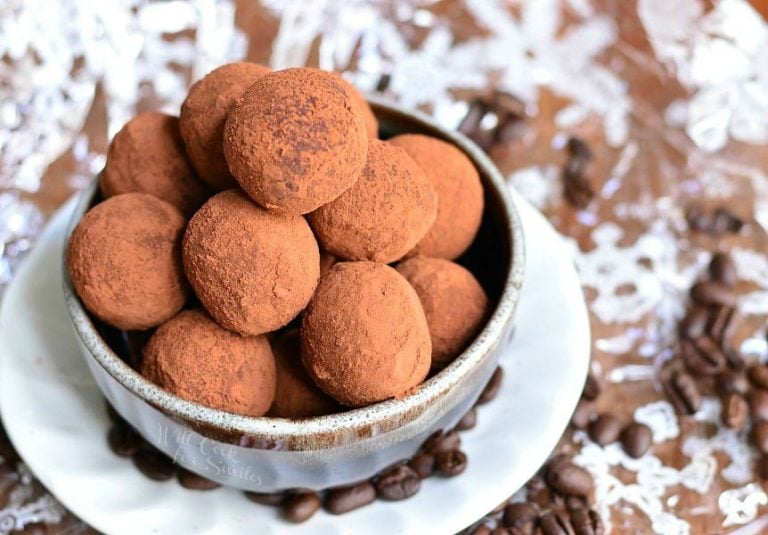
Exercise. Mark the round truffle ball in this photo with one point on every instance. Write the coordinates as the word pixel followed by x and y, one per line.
pixel 364 337
pixel 147 156
pixel 203 114
pixel 454 303
pixel 295 140
pixel 296 395
pixel 371 123
pixel 194 358
pixel 384 215
pixel 124 259
pixel 459 193
pixel 253 270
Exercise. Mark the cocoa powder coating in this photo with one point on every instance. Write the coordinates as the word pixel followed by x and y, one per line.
pixel 384 215
pixel 454 303
pixel 295 140
pixel 459 192
pixel 296 395
pixel 194 358
pixel 203 114
pixel 369 118
pixel 147 156
pixel 253 270
pixel 364 337
pixel 124 259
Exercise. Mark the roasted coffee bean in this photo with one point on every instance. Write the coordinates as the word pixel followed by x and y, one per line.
pixel 722 269
pixel 552 523
pixel 442 442
pixel 735 362
pixel 383 83
pixel 192 481
pixel 398 483
pixel 702 356
pixel 575 502
pixel 123 440
pixel 577 190
pixel 735 411
pixel 468 421
pixel 694 324
pixel 582 416
pixel 586 522
pixel 758 376
pixel 727 220
pixel 758 404
pixel 713 293
pixel 450 463
pixel 683 393
pixel 346 499
pixel 521 515
pixel 578 148
pixel 300 507
pixel 760 436
pixel 591 388
pixel 605 429
pixel 423 464
pixel 272 499
pixel 636 439
pixel 731 382
pixel 154 465
pixel 492 388
pixel 719 324
pixel 569 479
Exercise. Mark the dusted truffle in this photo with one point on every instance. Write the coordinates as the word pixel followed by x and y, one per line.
pixel 454 303
pixel 147 156
pixel 371 124
pixel 384 215
pixel 296 395
pixel 296 140
pixel 364 337
pixel 252 270
pixel 124 260
pixel 459 193
pixel 194 358
pixel 203 114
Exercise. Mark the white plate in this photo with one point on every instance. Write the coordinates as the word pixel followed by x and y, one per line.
pixel 54 413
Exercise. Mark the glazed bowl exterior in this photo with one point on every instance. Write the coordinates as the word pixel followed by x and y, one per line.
pixel 272 454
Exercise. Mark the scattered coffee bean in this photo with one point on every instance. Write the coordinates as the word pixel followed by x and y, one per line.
pixel 300 507
pixel 423 464
pixel 521 515
pixel 758 376
pixel 552 523
pixel 727 220
pixel 582 416
pixel 760 436
pixel 471 124
pixel 492 388
pixel 123 440
pixel 192 481
pixel 605 429
pixel 442 442
pixel 636 439
pixel 694 324
pixel 576 186
pixel 398 483
pixel 722 269
pixel 586 522
pixel 734 359
pixel 758 404
pixel 569 479
pixel 713 223
pixel 468 421
pixel 272 499
pixel 683 393
pixel 591 388
pixel 346 499
pixel 713 293
pixel 735 411
pixel 575 502
pixel 450 463
pixel 702 356
pixel 731 382
pixel 719 324
pixel 383 83
pixel 154 465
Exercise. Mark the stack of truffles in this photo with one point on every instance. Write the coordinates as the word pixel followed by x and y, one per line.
pixel 284 259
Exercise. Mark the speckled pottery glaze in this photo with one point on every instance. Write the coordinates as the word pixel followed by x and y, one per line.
pixel 272 454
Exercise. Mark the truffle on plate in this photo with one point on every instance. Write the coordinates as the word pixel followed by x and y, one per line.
pixel 454 303
pixel 384 215
pixel 147 156
pixel 203 114
pixel 194 358
pixel 364 337
pixel 124 261
pixel 459 193
pixel 296 140
pixel 253 270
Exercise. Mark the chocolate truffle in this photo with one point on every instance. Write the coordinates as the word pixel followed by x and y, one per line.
pixel 253 270
pixel 454 303
pixel 125 263
pixel 203 114
pixel 147 156
pixel 364 337
pixel 459 193
pixel 194 358
pixel 295 140
pixel 371 124
pixel 384 215
pixel 296 395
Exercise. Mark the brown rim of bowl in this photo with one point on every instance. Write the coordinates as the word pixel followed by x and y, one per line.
pixel 317 432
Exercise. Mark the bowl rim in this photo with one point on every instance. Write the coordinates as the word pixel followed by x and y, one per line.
pixel 308 431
